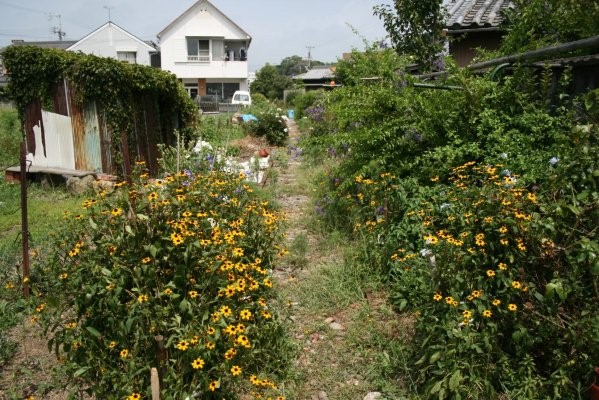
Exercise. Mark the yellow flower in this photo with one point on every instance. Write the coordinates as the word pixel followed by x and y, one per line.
pixel 225 311
pixel 516 284
pixel 168 291
pixel 512 307
pixel 476 293
pixel 487 313
pixel 210 345
pixel 245 314
pixel 71 325
pixel 229 354
pixel 490 273
pixel 235 370
pixel 112 345
pixel 134 396
pixel 146 260
pixel 124 353
pixel 142 297
pixel 152 196
pixel 193 294
pixel 213 385
pixel 198 363
pixel 183 345
pixel 467 314
pixel 437 297
pixel 116 211
pixel 176 238
pixel 496 302
pixel 502 266
pixel 238 252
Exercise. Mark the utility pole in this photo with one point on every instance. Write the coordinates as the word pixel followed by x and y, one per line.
pixel 57 29
pixel 309 55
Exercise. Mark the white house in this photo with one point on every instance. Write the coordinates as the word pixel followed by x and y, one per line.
pixel 110 40
pixel 207 51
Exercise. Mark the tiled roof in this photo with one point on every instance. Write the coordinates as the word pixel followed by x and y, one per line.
pixel 471 14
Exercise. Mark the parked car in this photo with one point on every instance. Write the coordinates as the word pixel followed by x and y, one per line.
pixel 242 97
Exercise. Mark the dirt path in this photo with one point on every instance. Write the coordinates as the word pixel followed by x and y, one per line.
pixel 342 322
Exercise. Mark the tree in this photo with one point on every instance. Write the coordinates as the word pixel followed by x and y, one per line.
pixel 537 23
pixel 270 82
pixel 415 27
pixel 296 65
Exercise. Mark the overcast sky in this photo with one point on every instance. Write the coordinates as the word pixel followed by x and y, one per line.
pixel 279 28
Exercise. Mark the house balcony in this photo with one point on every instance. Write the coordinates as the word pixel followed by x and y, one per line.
pixel 199 67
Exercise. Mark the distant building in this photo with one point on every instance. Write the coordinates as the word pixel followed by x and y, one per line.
pixel 319 77
pixel 474 24
pixel 207 51
pixel 110 40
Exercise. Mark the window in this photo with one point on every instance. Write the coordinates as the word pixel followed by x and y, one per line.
pixel 198 49
pixel 128 56
pixel 223 90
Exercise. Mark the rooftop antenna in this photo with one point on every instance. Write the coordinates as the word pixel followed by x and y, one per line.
pixel 108 8
pixel 57 29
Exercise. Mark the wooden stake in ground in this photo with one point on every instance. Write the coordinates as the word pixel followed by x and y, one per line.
pixel 155 384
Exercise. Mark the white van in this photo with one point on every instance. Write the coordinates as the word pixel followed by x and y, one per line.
pixel 242 97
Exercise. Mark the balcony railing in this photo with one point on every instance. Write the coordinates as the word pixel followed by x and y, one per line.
pixel 203 57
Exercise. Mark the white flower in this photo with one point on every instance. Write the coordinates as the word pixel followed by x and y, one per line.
pixel 444 206
pixel 503 155
pixel 553 161
pixel 286 130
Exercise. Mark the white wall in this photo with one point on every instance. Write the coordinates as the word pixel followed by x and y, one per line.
pixel 202 21
pixel 109 40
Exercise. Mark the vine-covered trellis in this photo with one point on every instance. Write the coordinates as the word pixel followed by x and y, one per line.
pixel 133 107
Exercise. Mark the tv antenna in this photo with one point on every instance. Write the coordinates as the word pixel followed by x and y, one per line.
pixel 108 8
pixel 57 30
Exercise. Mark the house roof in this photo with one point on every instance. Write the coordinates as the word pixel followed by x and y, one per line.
pixel 52 44
pixel 106 26
pixel 320 72
pixel 191 9
pixel 475 14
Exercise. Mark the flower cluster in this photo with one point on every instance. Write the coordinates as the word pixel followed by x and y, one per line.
pixel 179 264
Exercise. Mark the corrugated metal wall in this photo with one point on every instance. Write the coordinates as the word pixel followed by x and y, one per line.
pixel 92 142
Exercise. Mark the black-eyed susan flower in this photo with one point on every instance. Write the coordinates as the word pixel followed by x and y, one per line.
pixel 212 386
pixel 193 294
pixel 124 353
pixel 198 363
pixel 245 314
pixel 490 273
pixel 183 345
pixel 487 313
pixel 437 297
pixel 512 307
pixel 516 284
pixel 116 211
pixel 235 370
pixel 496 302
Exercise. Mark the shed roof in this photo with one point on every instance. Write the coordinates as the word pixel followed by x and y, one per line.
pixel 476 14
pixel 109 25
pixel 317 72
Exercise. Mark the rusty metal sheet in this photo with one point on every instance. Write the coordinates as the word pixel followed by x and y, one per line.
pixel 93 150
pixel 78 124
pixel 33 117
pixel 59 98
pixel 108 165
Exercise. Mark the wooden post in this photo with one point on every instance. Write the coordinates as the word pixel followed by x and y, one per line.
pixel 24 220
pixel 155 384
pixel 160 355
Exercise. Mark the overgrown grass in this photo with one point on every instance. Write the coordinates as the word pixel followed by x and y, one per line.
pixel 10 137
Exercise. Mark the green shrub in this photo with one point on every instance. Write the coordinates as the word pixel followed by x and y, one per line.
pixel 270 125
pixel 181 262
pixel 10 137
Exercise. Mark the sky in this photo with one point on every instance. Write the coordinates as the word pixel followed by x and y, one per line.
pixel 279 28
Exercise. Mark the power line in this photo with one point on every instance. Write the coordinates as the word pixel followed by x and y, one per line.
pixel 22 8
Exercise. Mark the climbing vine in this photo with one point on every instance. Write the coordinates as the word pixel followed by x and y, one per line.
pixel 116 87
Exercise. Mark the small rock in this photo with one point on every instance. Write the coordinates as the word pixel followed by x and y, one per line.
pixel 322 395
pixel 336 326
pixel 329 320
pixel 373 396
